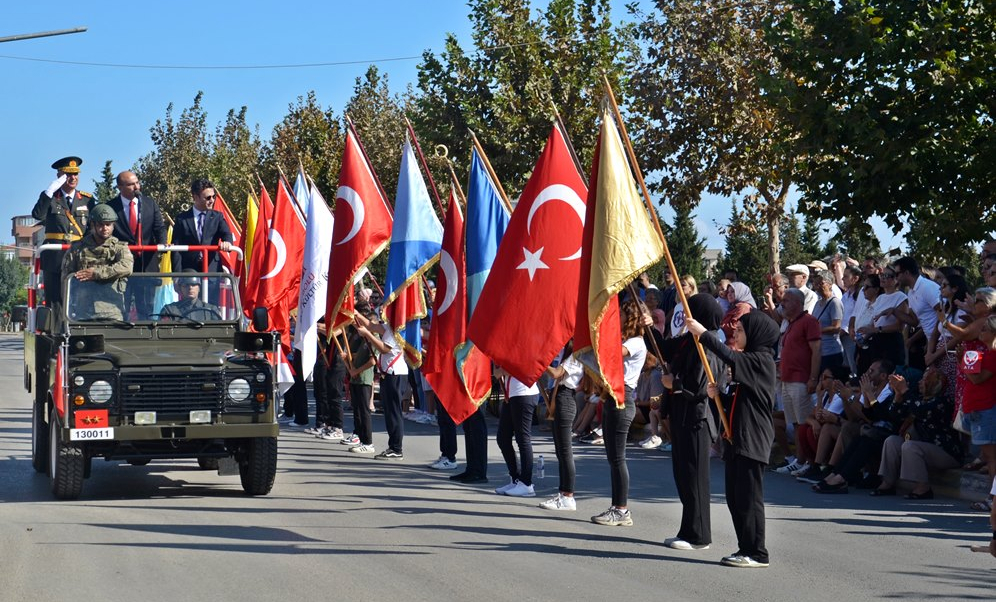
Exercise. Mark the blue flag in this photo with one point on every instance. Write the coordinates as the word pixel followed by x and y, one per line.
pixel 487 219
pixel 416 240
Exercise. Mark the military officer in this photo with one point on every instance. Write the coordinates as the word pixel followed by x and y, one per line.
pixel 99 265
pixel 190 304
pixel 63 210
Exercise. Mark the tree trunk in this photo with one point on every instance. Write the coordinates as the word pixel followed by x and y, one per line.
pixel 773 215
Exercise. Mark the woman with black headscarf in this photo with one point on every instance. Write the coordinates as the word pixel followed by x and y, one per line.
pixel 693 426
pixel 749 402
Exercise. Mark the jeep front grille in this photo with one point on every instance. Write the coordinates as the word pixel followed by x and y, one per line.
pixel 171 393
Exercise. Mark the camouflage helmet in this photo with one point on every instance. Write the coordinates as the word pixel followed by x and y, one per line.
pixel 103 213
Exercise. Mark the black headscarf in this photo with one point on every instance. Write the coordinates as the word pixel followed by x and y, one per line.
pixel 705 310
pixel 762 332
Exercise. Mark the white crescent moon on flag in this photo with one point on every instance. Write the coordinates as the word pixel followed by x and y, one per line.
pixel 559 192
pixel 278 244
pixel 353 199
pixel 448 266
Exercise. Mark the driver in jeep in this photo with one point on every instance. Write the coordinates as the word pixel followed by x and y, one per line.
pixel 190 304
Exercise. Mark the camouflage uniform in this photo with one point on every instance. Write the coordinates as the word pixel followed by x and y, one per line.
pixel 103 297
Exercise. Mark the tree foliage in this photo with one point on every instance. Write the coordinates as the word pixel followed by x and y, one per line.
pixel 236 156
pixel 746 248
pixel 893 106
pixel 106 187
pixel 313 135
pixel 13 278
pixel 521 62
pixel 704 124
pixel 686 246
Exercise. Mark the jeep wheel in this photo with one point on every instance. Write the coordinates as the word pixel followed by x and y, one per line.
pixel 259 469
pixel 208 463
pixel 67 464
pixel 39 438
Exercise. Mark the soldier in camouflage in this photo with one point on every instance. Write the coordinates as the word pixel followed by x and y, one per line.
pixel 99 265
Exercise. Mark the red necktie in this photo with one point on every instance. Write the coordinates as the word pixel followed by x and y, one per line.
pixel 134 219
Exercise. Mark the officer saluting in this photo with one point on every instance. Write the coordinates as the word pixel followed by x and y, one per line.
pixel 63 210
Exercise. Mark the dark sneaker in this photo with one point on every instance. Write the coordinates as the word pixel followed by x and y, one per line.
pixel 813 475
pixel 389 454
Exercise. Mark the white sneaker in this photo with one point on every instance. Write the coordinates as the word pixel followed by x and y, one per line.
pixel 801 470
pixel 521 490
pixel 789 468
pixel 676 543
pixel 651 442
pixel 362 449
pixel 443 463
pixel 504 488
pixel 560 502
pixel 331 434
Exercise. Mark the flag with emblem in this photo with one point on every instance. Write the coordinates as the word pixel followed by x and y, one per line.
pixel 619 242
pixel 539 258
pixel 362 229
pixel 314 279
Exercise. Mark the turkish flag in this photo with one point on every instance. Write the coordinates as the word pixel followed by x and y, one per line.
pixel 528 306
pixel 281 273
pixel 228 259
pixel 90 419
pixel 260 245
pixel 449 324
pixel 362 229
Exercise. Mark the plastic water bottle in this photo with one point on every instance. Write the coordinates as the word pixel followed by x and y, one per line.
pixel 540 468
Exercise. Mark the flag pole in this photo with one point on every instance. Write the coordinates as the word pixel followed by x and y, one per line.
pixel 425 165
pixel 727 433
pixel 491 171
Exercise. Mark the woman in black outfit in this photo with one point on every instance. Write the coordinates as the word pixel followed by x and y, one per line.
pixel 693 426
pixel 749 403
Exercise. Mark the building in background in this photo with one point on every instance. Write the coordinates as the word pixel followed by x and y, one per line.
pixel 24 229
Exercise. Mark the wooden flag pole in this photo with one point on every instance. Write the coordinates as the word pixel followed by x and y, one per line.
pixel 727 433
pixel 425 166
pixel 491 171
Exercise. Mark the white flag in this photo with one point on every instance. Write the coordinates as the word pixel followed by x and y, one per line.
pixel 314 280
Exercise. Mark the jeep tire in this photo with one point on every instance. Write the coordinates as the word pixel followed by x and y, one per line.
pixel 39 438
pixel 259 468
pixel 67 463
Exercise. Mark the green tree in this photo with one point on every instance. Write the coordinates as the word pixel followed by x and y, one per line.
pixel 313 135
pixel 791 240
pixel 236 158
pixel 746 248
pixel 856 238
pixel 522 61
pixel 182 152
pixel 811 240
pixel 687 247
pixel 106 187
pixel 892 104
pixel 703 123
pixel 13 278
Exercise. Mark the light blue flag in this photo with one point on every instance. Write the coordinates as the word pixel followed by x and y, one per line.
pixel 416 239
pixel 301 191
pixel 487 219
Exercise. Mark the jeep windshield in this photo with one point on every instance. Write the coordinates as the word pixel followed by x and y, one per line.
pixel 187 298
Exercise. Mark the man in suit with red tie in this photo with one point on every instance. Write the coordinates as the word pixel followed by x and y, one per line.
pixel 202 225
pixel 139 222
pixel 64 213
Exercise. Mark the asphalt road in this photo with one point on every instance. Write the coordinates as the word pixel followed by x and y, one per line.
pixel 341 527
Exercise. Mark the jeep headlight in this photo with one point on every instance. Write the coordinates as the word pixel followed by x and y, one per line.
pixel 100 391
pixel 238 389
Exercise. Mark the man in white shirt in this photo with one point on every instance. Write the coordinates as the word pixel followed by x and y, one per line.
pixel 924 297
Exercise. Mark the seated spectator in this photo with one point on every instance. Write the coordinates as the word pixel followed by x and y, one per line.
pixel 873 410
pixel 925 440
pixel 829 411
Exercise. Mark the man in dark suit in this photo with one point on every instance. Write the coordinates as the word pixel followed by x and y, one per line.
pixel 201 225
pixel 139 219
pixel 64 213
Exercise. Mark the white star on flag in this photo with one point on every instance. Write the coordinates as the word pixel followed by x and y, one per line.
pixel 532 262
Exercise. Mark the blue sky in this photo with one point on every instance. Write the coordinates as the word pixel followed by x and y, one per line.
pixel 51 110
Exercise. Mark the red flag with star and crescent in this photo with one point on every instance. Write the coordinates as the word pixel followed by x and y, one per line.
pixel 362 229
pixel 527 309
pixel 449 323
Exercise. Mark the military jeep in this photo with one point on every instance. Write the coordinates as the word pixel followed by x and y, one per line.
pixel 175 382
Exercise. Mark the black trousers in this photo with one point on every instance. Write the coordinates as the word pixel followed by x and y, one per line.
pixel 447 433
pixel 475 441
pixel 296 398
pixel 516 420
pixel 615 431
pixel 690 457
pixel 390 401
pixel 745 499
pixel 329 384
pixel 565 409
pixel 358 398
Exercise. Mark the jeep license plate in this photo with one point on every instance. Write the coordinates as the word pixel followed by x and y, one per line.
pixel 91 434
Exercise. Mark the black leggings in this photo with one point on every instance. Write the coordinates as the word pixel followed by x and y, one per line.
pixel 359 396
pixel 745 499
pixel 563 418
pixel 516 418
pixel 615 430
